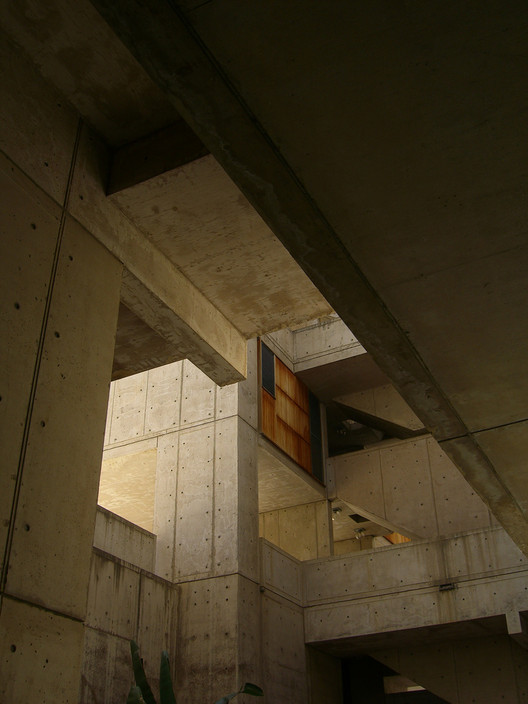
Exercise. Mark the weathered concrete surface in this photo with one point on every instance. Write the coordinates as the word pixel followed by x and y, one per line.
pixel 327 340
pixel 397 588
pixel 127 485
pixel 239 264
pixel 282 483
pixel 124 602
pixel 412 485
pixel 302 531
pixel 124 540
pixel 57 482
pixel 281 573
pixel 138 348
pixel 41 654
pixel 284 660
pixel 204 486
pixel 210 628
pixel 75 50
pixel 59 312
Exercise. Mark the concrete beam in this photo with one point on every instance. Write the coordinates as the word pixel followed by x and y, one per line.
pixel 153 288
pixel 138 347
pixel 153 155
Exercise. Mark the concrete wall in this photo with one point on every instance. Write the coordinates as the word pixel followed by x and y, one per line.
pixel 327 340
pixel 205 514
pixel 343 547
pixel 320 342
pixel 283 651
pixel 124 540
pixel 411 485
pixel 59 302
pixel 124 602
pixel 205 442
pixel 302 531
pixel 128 482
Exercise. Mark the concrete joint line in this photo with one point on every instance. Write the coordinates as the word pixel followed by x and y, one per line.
pixel 38 360
pixel 40 607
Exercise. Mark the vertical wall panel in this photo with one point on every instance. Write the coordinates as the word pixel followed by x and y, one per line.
pixel 198 395
pixel 128 412
pixel 194 519
pixel 29 223
pixel 163 398
pixel 61 471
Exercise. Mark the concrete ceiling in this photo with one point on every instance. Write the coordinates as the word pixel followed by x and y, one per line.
pixel 385 146
pixel 346 376
pixel 200 220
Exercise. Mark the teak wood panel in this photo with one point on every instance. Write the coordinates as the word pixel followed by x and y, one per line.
pixel 285 419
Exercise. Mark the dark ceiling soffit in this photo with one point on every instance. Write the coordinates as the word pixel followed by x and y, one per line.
pixel 153 155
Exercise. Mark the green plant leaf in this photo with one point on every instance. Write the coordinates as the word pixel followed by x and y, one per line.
pixel 134 696
pixel 166 690
pixel 139 674
pixel 252 689
pixel 247 688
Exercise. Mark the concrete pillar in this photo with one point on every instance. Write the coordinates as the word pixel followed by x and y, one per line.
pixel 59 302
pixel 206 522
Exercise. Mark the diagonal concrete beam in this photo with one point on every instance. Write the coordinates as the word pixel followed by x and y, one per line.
pixel 153 155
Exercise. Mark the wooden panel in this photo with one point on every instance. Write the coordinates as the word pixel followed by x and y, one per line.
pixel 291 385
pixel 286 419
pixel 397 538
pixel 292 415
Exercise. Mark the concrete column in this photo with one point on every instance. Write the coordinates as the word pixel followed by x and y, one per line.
pixel 59 302
pixel 206 522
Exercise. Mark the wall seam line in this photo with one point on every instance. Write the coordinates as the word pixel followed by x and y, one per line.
pixel 38 361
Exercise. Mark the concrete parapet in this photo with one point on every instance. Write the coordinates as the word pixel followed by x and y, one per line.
pixel 124 540
pixel 472 576
pixel 281 573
